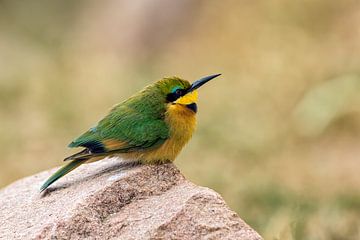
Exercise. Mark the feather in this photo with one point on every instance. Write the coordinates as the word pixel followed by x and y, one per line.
pixel 62 171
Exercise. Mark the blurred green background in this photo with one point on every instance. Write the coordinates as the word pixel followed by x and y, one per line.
pixel 278 134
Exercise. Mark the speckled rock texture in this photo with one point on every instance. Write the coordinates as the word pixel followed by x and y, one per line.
pixel 111 200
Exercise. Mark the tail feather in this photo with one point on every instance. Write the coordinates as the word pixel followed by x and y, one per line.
pixel 83 154
pixel 63 171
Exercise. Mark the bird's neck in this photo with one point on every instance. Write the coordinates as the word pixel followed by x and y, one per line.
pixel 181 121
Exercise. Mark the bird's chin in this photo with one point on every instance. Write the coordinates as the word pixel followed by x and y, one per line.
pixel 192 107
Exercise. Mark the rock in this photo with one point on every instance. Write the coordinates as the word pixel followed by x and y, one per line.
pixel 111 200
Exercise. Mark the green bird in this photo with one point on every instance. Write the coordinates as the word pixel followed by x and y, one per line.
pixel 150 127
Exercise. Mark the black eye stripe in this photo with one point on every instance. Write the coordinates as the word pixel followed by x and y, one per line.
pixel 171 97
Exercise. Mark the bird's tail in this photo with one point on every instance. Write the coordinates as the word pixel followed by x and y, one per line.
pixel 63 171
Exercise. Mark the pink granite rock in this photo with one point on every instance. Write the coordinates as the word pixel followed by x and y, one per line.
pixel 109 200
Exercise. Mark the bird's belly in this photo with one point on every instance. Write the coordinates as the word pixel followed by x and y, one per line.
pixel 182 123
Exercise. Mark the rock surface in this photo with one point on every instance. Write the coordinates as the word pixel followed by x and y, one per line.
pixel 109 200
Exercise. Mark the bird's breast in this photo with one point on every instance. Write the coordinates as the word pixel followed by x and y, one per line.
pixel 182 122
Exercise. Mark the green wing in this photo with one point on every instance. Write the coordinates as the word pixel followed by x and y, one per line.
pixel 134 125
pixel 125 129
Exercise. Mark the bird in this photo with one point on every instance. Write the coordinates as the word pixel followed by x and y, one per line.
pixel 150 127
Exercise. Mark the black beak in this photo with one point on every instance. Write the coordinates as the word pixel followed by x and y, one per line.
pixel 201 81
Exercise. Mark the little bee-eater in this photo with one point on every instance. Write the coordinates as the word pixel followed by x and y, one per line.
pixel 151 127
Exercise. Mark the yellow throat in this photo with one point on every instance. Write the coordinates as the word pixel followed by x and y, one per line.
pixel 189 98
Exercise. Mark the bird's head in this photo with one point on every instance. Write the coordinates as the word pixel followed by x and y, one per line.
pixel 180 92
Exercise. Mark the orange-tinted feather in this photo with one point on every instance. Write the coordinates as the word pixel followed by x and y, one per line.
pixel 113 144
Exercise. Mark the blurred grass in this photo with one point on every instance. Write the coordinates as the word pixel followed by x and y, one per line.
pixel 277 134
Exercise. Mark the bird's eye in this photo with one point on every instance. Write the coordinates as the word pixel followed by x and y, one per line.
pixel 175 94
pixel 178 92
